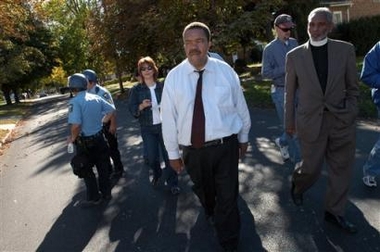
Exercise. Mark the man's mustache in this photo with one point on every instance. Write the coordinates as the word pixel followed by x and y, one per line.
pixel 194 52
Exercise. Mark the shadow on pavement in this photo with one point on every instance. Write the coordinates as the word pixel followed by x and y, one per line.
pixel 143 218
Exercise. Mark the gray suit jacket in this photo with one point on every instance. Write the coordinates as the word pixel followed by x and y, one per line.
pixel 301 80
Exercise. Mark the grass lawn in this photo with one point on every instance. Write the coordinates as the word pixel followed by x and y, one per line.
pixel 3 133
pixel 10 114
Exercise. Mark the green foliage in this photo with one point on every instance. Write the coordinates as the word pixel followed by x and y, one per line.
pixel 154 28
pixel 363 33
pixel 16 110
pixel 67 20
pixel 367 108
pixel 299 10
pixel 26 55
pixel 257 94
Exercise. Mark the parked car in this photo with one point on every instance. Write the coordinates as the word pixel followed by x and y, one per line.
pixel 42 94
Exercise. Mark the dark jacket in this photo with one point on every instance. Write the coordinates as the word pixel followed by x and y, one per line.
pixel 138 93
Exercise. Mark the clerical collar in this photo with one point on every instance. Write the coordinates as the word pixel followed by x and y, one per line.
pixel 318 43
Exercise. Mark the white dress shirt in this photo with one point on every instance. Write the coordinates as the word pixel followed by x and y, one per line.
pixel 225 108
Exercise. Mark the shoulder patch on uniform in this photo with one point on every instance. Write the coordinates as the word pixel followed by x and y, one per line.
pixel 107 98
pixel 71 108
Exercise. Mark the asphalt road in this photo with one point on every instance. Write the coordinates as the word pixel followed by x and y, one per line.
pixel 39 197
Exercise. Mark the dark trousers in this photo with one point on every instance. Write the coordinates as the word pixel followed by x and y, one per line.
pixel 97 151
pixel 214 172
pixel 113 148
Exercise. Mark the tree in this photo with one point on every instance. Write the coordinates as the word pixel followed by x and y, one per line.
pixel 27 48
pixel 299 10
pixel 67 21
pixel 146 27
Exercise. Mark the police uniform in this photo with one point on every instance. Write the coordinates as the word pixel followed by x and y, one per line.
pixel 87 110
pixel 111 138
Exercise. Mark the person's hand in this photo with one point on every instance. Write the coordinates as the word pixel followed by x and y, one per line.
pixel 243 149
pixel 145 104
pixel 112 129
pixel 69 140
pixel 176 165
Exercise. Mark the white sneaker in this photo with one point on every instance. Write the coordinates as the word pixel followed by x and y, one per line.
pixel 369 181
pixel 283 149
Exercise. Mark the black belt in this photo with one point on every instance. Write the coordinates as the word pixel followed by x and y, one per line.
pixel 92 137
pixel 215 142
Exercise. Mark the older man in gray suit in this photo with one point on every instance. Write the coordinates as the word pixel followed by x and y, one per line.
pixel 322 75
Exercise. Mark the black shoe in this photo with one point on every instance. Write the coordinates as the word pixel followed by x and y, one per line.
pixel 341 222
pixel 230 250
pixel 90 203
pixel 107 197
pixel 116 174
pixel 210 219
pixel 175 190
pixel 154 181
pixel 296 197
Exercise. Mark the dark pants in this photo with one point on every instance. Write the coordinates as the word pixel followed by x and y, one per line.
pixel 154 144
pixel 97 150
pixel 113 148
pixel 214 172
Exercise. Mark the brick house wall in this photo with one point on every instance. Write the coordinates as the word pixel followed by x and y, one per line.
pixel 353 9
pixel 364 8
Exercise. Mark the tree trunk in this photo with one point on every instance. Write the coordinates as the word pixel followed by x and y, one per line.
pixel 17 98
pixel 7 94
pixel 119 76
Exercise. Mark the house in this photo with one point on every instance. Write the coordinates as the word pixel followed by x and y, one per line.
pixel 344 10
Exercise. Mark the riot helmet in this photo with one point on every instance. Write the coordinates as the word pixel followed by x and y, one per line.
pixel 90 75
pixel 78 81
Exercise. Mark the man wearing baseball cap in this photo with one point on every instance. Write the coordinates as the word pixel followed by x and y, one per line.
pixel 273 67
pixel 284 20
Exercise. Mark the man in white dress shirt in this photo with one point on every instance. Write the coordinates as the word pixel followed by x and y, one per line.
pixel 213 164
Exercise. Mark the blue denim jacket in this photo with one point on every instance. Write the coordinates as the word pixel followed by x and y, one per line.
pixel 138 93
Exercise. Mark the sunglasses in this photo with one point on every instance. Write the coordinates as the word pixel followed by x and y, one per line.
pixel 284 29
pixel 146 68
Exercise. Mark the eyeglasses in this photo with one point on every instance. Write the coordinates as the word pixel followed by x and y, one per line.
pixel 146 68
pixel 284 29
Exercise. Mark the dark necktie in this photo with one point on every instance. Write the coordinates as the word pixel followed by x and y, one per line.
pixel 198 126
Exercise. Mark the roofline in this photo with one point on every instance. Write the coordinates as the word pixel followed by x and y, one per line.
pixel 337 3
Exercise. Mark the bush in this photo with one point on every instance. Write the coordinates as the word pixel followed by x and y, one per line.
pixel 367 108
pixel 257 94
pixel 363 33
pixel 240 66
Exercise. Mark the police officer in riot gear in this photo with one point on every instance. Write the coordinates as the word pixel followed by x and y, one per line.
pixel 85 119
pixel 109 132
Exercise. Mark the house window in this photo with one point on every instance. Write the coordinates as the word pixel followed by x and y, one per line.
pixel 337 17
